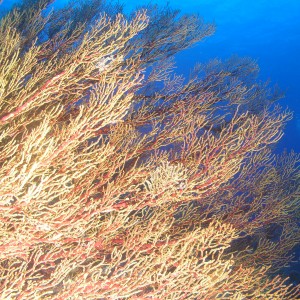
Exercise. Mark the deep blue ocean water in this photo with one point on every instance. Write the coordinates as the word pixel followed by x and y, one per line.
pixel 268 31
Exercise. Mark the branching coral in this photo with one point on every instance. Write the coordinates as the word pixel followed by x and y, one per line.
pixel 121 180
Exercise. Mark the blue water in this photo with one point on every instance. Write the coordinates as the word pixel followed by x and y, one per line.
pixel 268 31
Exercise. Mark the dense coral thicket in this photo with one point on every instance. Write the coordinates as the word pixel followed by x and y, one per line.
pixel 120 179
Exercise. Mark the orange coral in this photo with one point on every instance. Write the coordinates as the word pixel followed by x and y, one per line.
pixel 116 187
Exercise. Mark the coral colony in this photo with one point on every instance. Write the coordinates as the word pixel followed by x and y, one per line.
pixel 121 179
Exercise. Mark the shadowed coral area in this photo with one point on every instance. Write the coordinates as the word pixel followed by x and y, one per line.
pixel 120 179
